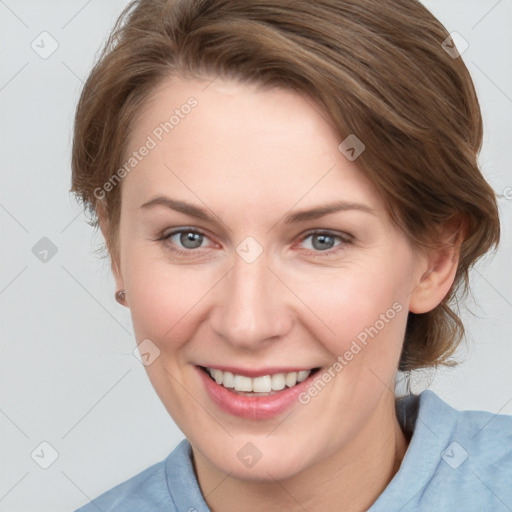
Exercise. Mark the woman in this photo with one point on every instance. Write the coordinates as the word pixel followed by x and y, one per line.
pixel 290 197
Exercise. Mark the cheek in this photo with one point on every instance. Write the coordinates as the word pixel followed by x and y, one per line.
pixel 164 298
pixel 366 314
pixel 350 302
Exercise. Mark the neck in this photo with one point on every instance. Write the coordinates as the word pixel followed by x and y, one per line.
pixel 349 480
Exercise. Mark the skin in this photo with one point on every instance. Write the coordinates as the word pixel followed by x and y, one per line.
pixel 250 156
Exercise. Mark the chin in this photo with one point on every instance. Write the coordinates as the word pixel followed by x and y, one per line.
pixel 259 459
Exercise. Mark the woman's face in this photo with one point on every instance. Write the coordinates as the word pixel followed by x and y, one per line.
pixel 225 269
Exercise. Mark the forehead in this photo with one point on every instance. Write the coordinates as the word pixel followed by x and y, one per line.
pixel 241 141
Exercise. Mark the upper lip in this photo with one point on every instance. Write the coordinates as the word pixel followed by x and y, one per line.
pixel 258 372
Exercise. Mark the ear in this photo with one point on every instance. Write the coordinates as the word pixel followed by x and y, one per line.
pixel 442 263
pixel 105 230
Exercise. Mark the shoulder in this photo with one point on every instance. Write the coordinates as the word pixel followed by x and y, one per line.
pixel 475 467
pixel 482 438
pixel 456 460
pixel 148 490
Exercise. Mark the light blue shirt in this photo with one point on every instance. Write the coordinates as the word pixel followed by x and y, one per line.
pixel 456 461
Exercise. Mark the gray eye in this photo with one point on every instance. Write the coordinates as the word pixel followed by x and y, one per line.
pixel 322 242
pixel 190 239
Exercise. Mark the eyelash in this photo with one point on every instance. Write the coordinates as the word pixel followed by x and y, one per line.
pixel 344 239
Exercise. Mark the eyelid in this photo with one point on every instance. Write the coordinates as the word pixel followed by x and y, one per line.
pixel 344 239
pixel 166 235
pixel 173 231
pixel 329 232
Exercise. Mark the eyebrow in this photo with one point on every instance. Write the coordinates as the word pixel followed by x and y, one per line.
pixel 320 211
pixel 292 218
pixel 179 206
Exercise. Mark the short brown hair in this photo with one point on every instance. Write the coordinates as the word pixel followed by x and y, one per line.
pixel 378 67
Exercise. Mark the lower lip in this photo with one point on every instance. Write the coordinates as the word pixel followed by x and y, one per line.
pixel 253 407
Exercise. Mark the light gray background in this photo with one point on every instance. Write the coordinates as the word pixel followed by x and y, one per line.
pixel 68 376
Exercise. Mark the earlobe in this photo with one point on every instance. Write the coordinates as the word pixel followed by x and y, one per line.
pixel 121 297
pixel 437 280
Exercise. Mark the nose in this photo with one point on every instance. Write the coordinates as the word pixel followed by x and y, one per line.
pixel 251 308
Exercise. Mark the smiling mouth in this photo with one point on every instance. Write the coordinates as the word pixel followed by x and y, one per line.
pixel 264 385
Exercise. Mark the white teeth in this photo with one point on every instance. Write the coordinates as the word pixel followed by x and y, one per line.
pixel 291 379
pixel 278 381
pixel 262 384
pixel 242 383
pixel 228 380
pixel 217 375
pixel 302 375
